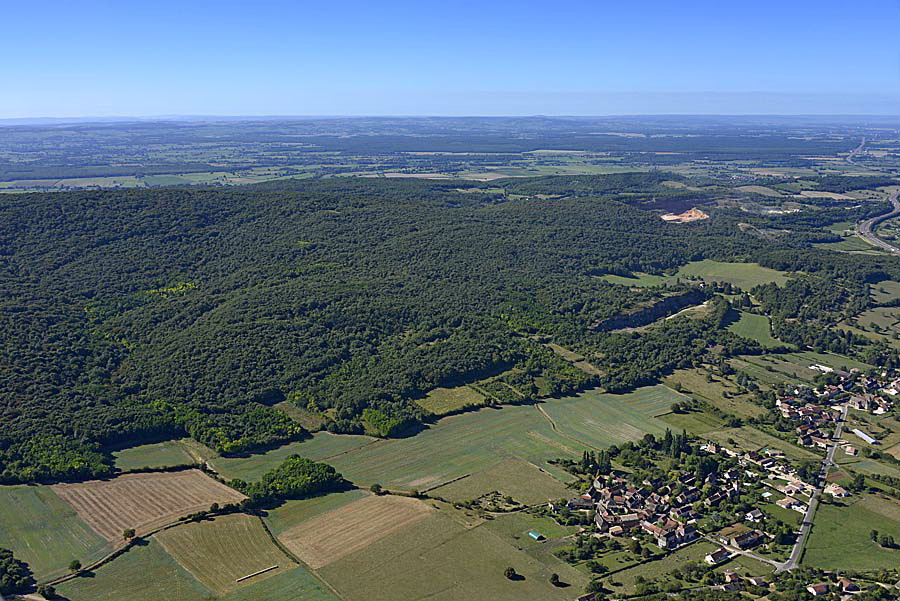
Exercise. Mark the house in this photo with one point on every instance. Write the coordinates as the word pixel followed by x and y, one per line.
pixel 850 450
pixel 847 586
pixel 754 516
pixel 747 540
pixel 717 556
pixel 582 503
pixel 757 581
pixel 787 502
pixel 817 590
pixel 731 576
pixel 836 490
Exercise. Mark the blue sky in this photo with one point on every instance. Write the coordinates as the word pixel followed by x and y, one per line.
pixel 264 57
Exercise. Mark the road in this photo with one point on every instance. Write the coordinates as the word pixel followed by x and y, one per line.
pixel 805 528
pixel 864 228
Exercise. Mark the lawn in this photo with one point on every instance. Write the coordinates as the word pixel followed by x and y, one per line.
pixel 755 327
pixel 161 454
pixel 427 559
pixel 880 319
pixel 840 535
pixel 44 531
pixel 441 401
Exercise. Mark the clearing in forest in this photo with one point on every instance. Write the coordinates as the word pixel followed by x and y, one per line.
pixel 220 551
pixel 143 501
pixel 332 535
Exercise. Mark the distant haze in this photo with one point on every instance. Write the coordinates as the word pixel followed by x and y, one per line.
pixel 98 58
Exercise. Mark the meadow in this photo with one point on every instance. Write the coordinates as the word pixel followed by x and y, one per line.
pixel 719 391
pixel 443 559
pixel 743 275
pixel 755 327
pixel 44 531
pixel 441 401
pixel 468 443
pixel 840 535
pixel 155 456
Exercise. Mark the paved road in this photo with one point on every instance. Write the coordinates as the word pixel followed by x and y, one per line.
pixel 797 551
pixel 736 551
pixel 864 228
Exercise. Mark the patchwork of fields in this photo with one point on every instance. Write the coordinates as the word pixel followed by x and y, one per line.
pixel 143 501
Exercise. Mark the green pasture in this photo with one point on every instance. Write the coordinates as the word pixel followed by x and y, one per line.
pixel 44 531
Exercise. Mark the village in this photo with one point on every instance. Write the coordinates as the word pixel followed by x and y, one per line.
pixel 676 491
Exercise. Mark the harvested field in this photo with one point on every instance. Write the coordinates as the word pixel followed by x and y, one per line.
pixel 220 551
pixel 330 536
pixel 143 501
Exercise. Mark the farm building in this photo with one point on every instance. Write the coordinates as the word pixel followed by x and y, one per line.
pixel 536 535
pixel 864 436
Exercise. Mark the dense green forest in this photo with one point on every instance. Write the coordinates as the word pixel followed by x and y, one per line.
pixel 130 316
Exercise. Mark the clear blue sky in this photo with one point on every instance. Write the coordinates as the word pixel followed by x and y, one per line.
pixel 265 57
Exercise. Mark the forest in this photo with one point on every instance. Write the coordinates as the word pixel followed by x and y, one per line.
pixel 139 315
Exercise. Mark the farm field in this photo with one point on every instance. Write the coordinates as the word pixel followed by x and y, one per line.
pixel 292 512
pixel 44 531
pixel 472 442
pixel 516 478
pixel 330 536
pixel 840 536
pixel 601 419
pixel 440 558
pixel 695 422
pixel 218 552
pixel 155 456
pixel 695 382
pixel 441 401
pixel 755 327
pixel 320 447
pixel 143 501
pixel 145 573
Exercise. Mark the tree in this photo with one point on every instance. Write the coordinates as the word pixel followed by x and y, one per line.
pixel 128 533
pixel 554 579
pixel 75 566
pixel 46 591
pixel 376 489
pixel 887 541
pixel 873 535
pixel 510 573
pixel 15 576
